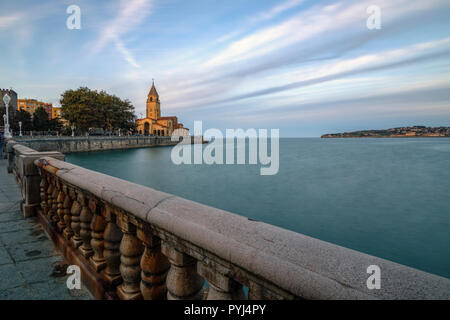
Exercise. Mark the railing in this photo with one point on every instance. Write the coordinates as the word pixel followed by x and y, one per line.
pixel 135 242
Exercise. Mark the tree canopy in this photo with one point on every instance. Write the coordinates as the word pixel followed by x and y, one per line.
pixel 86 108
pixel 40 120
pixel 24 117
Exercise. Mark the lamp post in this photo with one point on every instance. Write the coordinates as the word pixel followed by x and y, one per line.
pixel 73 132
pixel 6 100
pixel 20 127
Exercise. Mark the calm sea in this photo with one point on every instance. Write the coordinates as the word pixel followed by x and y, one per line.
pixel 386 197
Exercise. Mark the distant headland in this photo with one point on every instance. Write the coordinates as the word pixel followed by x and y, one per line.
pixel 416 131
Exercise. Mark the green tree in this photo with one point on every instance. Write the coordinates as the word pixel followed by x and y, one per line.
pixel 40 120
pixel 24 117
pixel 54 125
pixel 86 108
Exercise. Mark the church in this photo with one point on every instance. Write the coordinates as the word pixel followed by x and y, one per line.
pixel 154 124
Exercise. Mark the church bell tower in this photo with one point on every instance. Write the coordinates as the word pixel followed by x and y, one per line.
pixel 153 104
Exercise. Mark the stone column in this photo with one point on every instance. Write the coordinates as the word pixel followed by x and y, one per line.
pixel 75 224
pixel 221 287
pixel 183 282
pixel 98 227
pixel 112 237
pixel 154 267
pixel 258 292
pixel 85 232
pixel 67 205
pixel 28 175
pixel 43 193
pixel 54 215
pixel 130 256
pixel 60 208
pixel 49 197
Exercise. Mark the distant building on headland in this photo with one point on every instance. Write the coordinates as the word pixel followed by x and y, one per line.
pixel 415 131
pixel 154 124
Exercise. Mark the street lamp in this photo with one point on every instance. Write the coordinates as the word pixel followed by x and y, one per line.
pixel 20 126
pixel 6 100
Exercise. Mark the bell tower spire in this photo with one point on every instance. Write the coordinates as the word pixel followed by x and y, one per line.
pixel 153 103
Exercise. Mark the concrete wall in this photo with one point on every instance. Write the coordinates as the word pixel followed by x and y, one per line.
pixel 83 144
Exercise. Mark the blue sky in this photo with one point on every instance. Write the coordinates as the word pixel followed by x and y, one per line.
pixel 306 67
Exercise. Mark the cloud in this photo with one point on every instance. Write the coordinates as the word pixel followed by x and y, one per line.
pixel 262 16
pixel 131 14
pixel 276 10
pixel 213 93
pixel 426 100
pixel 10 20
pixel 125 53
pixel 333 33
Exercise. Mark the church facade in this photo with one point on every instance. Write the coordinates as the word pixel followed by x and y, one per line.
pixel 154 124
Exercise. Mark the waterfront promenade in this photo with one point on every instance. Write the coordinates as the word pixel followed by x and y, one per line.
pixel 30 266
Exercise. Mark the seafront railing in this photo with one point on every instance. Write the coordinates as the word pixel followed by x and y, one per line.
pixel 135 242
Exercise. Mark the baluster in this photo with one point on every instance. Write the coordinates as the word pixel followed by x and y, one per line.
pixel 85 232
pixel 221 287
pixel 112 237
pixel 130 256
pixel 98 226
pixel 43 193
pixel 67 205
pixel 60 208
pixel 76 226
pixel 258 292
pixel 154 267
pixel 183 282
pixel 49 198
pixel 54 216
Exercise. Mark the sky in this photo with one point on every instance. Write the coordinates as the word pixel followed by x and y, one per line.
pixel 305 67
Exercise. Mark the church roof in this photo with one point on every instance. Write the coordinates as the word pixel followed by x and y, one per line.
pixel 153 91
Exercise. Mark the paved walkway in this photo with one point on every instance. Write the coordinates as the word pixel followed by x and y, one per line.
pixel 30 267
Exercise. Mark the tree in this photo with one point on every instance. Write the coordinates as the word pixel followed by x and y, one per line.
pixel 86 108
pixel 24 117
pixel 54 125
pixel 40 120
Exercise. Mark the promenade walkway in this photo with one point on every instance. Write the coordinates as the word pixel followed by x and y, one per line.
pixel 30 267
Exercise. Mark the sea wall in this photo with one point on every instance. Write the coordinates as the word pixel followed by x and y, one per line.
pixel 82 144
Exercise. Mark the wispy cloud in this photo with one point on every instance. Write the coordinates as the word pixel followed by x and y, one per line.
pixel 261 17
pixel 276 10
pixel 9 20
pixel 130 14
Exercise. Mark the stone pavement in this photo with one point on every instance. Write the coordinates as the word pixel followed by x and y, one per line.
pixel 30 267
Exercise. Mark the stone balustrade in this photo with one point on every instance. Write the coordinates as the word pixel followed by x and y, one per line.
pixel 133 242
